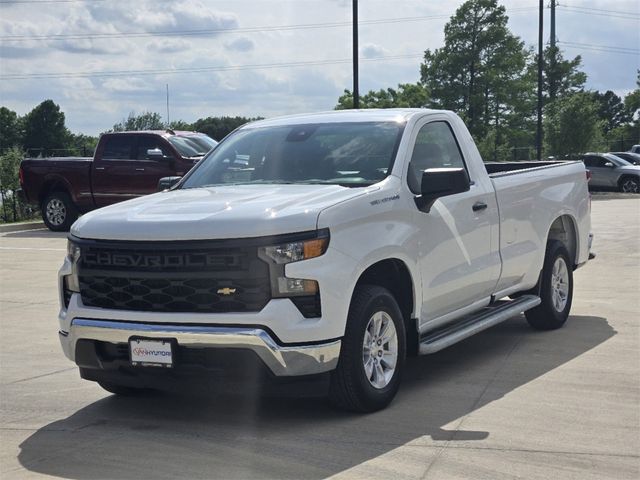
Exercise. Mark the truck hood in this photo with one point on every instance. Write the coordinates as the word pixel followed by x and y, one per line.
pixel 238 211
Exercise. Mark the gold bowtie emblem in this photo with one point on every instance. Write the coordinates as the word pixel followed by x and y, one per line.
pixel 226 291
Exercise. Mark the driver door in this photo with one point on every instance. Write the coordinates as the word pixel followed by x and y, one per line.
pixel 124 171
pixel 458 246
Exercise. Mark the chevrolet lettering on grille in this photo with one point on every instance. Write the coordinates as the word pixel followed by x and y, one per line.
pixel 108 259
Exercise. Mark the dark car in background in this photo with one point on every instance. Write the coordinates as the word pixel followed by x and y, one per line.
pixel 125 165
pixel 632 158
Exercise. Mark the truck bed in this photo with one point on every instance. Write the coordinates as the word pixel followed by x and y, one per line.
pixel 70 173
pixel 499 169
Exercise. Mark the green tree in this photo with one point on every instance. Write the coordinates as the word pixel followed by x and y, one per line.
pixel 219 127
pixel 560 77
pixel 143 121
pixel 45 130
pixel 10 129
pixel 611 110
pixel 180 125
pixel 82 144
pixel 481 73
pixel 572 126
pixel 407 95
pixel 9 181
pixel 632 102
pixel 627 134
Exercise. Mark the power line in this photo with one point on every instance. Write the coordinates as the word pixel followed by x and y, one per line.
pixel 585 11
pixel 77 36
pixel 32 2
pixel 215 31
pixel 120 73
pixel 602 48
pixel 598 10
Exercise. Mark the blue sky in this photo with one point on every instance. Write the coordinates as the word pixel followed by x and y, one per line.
pixel 93 104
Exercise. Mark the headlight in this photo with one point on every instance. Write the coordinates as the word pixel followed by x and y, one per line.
pixel 71 282
pixel 73 251
pixel 279 255
pixel 296 251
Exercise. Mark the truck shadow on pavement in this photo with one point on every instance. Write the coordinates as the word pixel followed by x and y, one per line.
pixel 40 233
pixel 294 435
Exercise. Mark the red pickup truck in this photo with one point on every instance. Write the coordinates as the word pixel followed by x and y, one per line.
pixel 125 165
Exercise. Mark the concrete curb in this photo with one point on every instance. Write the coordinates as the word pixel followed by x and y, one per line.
pixel 599 195
pixel 18 227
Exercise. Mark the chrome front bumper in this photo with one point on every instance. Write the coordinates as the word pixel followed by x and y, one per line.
pixel 282 360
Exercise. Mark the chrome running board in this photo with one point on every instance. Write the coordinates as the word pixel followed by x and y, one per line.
pixel 494 314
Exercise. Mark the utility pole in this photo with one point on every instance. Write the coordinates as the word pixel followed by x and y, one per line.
pixel 356 89
pixel 168 120
pixel 540 63
pixel 552 39
pixel 551 74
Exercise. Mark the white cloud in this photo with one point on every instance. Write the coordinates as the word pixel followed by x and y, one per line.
pixel 161 16
pixel 240 44
pixel 168 45
pixel 94 104
pixel 372 50
pixel 120 85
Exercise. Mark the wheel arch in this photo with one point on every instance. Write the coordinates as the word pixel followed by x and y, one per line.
pixel 564 229
pixel 394 275
pixel 52 184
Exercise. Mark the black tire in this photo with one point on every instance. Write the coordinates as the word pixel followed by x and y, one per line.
pixel 630 184
pixel 125 391
pixel 553 312
pixel 58 211
pixel 350 387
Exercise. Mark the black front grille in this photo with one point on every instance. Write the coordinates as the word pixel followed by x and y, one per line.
pixel 173 277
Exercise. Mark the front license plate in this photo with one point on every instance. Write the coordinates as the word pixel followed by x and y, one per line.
pixel 151 352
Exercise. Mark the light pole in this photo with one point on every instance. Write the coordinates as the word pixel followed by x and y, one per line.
pixel 540 63
pixel 356 89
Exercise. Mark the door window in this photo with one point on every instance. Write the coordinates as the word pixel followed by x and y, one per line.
pixel 151 143
pixel 119 147
pixel 435 147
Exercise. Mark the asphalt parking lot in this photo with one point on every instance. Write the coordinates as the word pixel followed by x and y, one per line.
pixel 508 403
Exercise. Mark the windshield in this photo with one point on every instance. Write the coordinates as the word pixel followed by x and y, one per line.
pixel 193 146
pixel 350 154
pixel 203 141
pixel 621 162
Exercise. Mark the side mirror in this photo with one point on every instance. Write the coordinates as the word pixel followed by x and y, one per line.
pixel 155 154
pixel 441 182
pixel 609 165
pixel 167 182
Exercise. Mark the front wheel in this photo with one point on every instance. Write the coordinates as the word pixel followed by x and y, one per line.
pixel 630 185
pixel 373 352
pixel 59 211
pixel 556 289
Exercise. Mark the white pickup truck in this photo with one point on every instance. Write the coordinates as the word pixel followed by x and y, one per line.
pixel 334 242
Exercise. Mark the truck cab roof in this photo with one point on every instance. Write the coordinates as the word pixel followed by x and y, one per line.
pixel 334 116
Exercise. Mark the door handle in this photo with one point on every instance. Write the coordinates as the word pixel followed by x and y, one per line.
pixel 479 206
pixel 139 169
pixel 99 168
